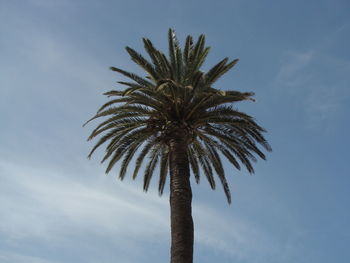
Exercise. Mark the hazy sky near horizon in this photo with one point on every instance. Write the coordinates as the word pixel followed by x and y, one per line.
pixel 57 206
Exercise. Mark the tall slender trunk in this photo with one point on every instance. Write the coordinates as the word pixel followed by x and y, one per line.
pixel 180 202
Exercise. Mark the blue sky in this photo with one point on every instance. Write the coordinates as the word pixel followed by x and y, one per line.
pixel 56 206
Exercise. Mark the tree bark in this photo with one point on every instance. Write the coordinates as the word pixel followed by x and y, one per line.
pixel 180 201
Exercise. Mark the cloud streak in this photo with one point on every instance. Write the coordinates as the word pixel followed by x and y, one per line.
pixel 314 81
pixel 43 205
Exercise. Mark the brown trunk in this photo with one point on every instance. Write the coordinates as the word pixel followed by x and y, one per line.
pixel 180 202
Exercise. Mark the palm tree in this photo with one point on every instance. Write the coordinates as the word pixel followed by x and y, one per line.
pixel 180 121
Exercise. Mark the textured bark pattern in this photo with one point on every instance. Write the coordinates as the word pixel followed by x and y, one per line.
pixel 180 201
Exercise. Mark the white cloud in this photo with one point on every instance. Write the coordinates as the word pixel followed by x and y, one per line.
pixel 44 205
pixel 315 83
pixel 322 105
pixel 237 238
pixel 294 63
pixel 9 257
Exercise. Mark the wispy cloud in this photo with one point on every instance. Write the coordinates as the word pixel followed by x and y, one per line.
pixel 290 72
pixel 42 204
pixel 10 257
pixel 314 80
pixel 239 238
pixel 45 206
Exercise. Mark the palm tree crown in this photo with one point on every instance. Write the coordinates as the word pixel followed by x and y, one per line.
pixel 177 99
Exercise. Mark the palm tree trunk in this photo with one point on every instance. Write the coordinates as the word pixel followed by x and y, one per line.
pixel 180 202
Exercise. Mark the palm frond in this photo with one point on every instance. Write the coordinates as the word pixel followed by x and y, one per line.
pixel 176 95
pixel 163 171
pixel 194 164
pixel 154 157
pixel 133 76
pixel 151 142
pixel 204 162
pixel 142 62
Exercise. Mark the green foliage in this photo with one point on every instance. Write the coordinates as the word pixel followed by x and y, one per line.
pixel 175 94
